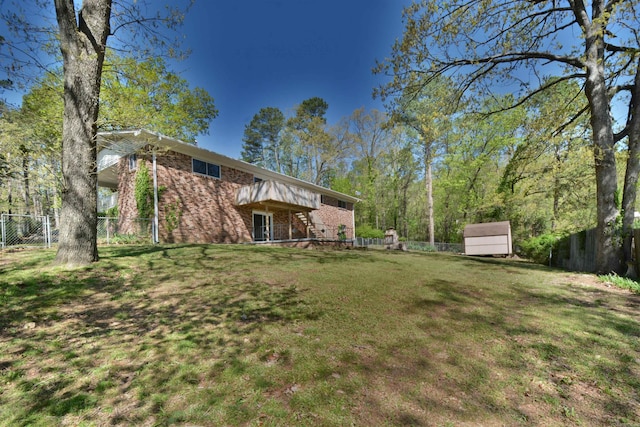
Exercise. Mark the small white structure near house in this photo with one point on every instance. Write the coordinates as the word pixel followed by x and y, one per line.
pixel 491 238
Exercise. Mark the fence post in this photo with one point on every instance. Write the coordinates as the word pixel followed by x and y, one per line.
pixel 107 225
pixel 48 231
pixel 4 234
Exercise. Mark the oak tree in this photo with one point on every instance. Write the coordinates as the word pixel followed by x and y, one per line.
pixel 502 45
pixel 80 35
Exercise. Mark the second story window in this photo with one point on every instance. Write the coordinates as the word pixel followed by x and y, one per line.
pixel 203 168
pixel 133 162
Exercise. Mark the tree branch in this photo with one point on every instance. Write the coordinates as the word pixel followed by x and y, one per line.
pixel 512 57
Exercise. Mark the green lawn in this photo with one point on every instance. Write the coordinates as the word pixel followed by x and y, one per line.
pixel 244 335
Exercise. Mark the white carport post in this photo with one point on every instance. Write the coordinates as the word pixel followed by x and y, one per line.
pixel 156 238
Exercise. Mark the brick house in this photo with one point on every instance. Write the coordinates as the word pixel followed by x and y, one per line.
pixel 205 197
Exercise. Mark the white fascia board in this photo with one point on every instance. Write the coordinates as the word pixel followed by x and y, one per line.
pixel 143 137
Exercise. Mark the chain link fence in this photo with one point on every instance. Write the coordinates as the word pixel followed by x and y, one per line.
pixel 411 245
pixel 37 231
pixel 25 231
pixel 113 231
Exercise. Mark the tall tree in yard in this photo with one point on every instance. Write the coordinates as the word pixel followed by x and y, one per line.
pixel 309 129
pixel 83 39
pixel 261 141
pixel 501 42
pixel 427 112
pixel 81 35
pixel 371 138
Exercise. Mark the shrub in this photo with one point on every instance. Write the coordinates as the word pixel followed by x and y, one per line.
pixel 342 232
pixel 129 239
pixel 421 246
pixel 538 248
pixel 368 232
pixel 621 282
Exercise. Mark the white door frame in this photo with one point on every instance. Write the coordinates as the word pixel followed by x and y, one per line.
pixel 269 224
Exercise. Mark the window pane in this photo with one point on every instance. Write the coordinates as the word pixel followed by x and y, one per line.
pixel 199 166
pixel 132 162
pixel 213 170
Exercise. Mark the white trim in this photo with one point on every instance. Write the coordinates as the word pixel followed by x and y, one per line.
pixel 269 225
pixel 156 232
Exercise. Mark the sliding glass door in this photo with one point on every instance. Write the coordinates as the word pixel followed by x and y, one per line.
pixel 262 226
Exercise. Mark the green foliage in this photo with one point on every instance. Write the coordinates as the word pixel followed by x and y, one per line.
pixel 621 282
pixel 172 215
pixel 5 170
pixel 310 108
pixel 419 246
pixel 261 141
pixel 342 232
pixel 301 146
pixel 109 213
pixel 144 191
pixel 146 94
pixel 368 232
pixel 538 248
pixel 112 212
pixel 129 239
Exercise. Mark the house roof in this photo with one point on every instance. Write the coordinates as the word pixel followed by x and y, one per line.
pixel 117 144
pixel 487 229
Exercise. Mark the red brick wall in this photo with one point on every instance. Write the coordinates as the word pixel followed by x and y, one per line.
pixel 205 206
pixel 332 216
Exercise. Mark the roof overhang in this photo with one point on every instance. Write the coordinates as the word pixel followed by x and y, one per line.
pixel 130 141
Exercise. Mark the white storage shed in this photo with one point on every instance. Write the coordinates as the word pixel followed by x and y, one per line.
pixel 491 238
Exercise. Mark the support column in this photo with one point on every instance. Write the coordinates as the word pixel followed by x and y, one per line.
pixel 156 234
pixel 290 232
pixel 268 225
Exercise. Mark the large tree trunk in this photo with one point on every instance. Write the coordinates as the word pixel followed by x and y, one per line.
pixel 429 187
pixel 25 180
pixel 633 169
pixel 557 189
pixel 82 44
pixel 608 250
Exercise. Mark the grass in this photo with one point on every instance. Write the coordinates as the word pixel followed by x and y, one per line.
pixel 622 282
pixel 242 335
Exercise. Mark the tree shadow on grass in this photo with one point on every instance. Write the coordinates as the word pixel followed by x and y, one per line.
pixel 489 261
pixel 73 342
pixel 462 329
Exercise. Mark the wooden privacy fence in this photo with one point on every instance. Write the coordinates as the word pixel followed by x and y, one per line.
pixel 576 252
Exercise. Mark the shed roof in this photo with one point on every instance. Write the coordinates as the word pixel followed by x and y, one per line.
pixel 487 229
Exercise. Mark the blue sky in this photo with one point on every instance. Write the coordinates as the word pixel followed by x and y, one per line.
pixel 250 54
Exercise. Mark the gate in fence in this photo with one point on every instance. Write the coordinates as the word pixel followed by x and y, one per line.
pixel 25 231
